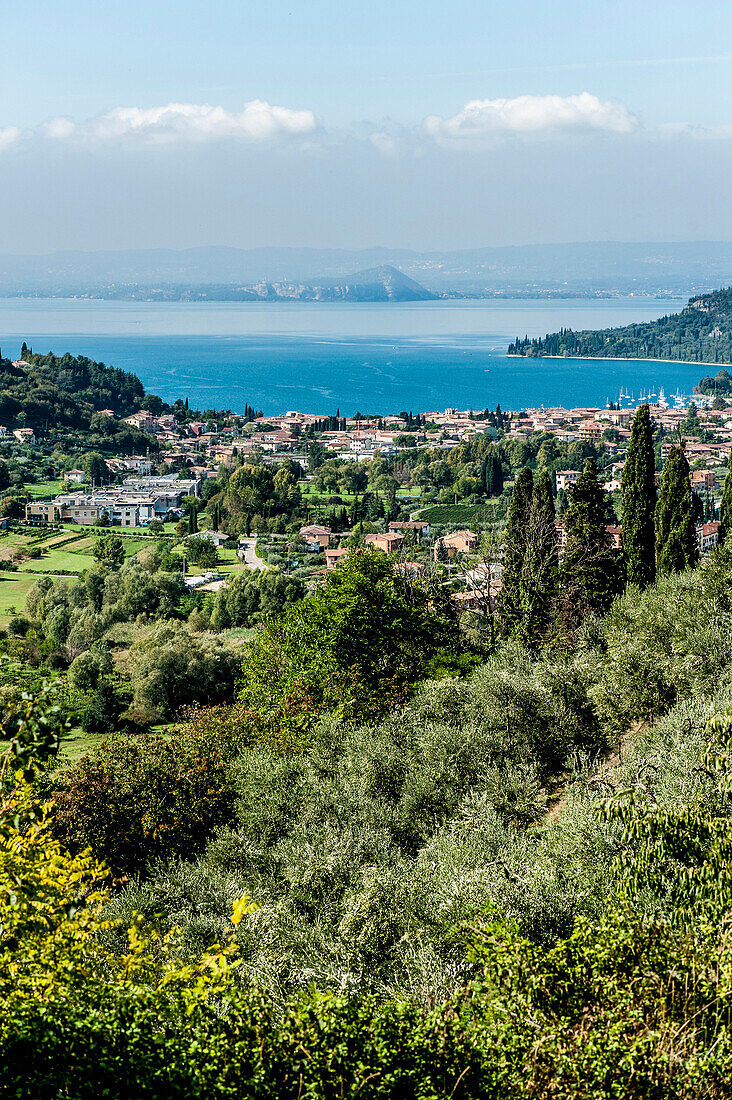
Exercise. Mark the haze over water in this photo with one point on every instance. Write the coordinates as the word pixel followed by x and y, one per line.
pixel 317 357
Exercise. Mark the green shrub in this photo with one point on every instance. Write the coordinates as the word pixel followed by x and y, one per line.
pixel 173 668
pixel 357 646
pixel 668 643
pixel 136 800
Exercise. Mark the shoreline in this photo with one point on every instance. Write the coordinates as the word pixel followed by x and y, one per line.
pixel 621 359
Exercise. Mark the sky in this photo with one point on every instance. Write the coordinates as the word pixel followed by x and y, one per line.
pixel 406 124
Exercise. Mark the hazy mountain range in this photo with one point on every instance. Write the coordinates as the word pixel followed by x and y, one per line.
pixel 526 270
pixel 377 284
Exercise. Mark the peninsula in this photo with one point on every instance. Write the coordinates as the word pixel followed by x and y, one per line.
pixel 700 333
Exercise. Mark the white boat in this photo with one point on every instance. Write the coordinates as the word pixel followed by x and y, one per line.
pixel 662 399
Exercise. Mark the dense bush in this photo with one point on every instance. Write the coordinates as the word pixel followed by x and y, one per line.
pixel 172 668
pixel 670 642
pixel 251 597
pixel 366 845
pixel 132 800
pixel 357 646
pixel 631 1004
pixel 77 612
pixel 364 850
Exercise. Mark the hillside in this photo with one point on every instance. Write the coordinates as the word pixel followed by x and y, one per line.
pixel 39 390
pixel 700 333
pixel 377 284
pixel 67 391
pixel 312 900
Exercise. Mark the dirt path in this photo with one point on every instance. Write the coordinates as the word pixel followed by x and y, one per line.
pixel 250 557
pixel 603 772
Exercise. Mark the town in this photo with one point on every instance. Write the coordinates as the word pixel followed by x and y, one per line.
pixel 431 488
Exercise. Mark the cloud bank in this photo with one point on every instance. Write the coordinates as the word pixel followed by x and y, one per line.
pixel 181 123
pixel 478 125
pixel 532 115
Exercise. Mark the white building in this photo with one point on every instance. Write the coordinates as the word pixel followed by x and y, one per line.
pixel 565 478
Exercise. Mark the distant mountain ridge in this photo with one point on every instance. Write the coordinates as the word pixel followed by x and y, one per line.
pixel 700 333
pixel 565 270
pixel 380 284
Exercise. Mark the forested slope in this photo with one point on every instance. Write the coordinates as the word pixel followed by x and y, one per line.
pixel 42 391
pixel 64 390
pixel 701 332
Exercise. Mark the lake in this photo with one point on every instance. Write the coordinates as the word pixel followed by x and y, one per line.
pixel 318 357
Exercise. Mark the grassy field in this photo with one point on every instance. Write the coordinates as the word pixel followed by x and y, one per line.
pixel 57 561
pixel 59 556
pixel 40 490
pixel 13 590
pixel 77 742
pixel 311 496
pixel 228 561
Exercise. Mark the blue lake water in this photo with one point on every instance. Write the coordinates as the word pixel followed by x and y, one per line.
pixel 316 357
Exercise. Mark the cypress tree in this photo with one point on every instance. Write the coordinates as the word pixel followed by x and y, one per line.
pixel 725 507
pixel 676 546
pixel 638 502
pixel 541 562
pixel 591 574
pixel 497 487
pixel 491 474
pixel 525 603
pixel 543 497
pixel 509 609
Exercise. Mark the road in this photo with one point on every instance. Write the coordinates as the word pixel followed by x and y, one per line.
pixel 250 558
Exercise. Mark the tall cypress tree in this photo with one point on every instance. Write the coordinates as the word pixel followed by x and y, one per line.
pixel 676 545
pixel 485 478
pixel 509 609
pixel 497 478
pixel 591 574
pixel 491 474
pixel 526 602
pixel 725 507
pixel 541 561
pixel 638 502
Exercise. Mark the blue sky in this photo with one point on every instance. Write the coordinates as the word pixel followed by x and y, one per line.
pixel 403 123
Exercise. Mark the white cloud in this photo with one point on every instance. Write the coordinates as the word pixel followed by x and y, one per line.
pixel 384 142
pixel 482 119
pixel 187 122
pixel 9 135
pixel 59 128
